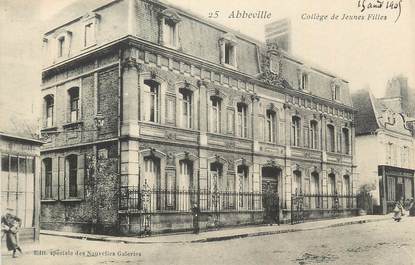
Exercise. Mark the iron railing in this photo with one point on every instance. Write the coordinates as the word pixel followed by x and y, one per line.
pixel 164 200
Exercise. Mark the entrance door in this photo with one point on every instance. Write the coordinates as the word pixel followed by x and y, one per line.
pixel 271 175
pixel 399 189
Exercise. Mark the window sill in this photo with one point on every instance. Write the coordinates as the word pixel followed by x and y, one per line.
pixel 230 66
pixel 72 200
pixel 73 124
pixel 49 129
pixel 89 46
pixel 48 200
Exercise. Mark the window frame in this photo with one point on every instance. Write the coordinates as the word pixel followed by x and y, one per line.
pixel 215 112
pixel 242 119
pixel 296 131
pixel 270 121
pixel 74 104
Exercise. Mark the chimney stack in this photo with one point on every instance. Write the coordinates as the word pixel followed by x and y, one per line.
pixel 279 32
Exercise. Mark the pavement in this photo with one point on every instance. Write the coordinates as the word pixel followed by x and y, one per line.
pixel 225 233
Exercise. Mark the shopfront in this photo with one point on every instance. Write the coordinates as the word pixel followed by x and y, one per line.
pixel 395 183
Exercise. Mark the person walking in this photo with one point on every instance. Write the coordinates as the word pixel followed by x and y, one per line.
pixel 195 212
pixel 397 211
pixel 10 226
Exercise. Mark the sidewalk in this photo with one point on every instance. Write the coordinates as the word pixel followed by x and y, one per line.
pixel 225 233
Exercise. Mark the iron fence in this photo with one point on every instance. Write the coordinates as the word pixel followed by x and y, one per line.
pixel 332 203
pixel 164 200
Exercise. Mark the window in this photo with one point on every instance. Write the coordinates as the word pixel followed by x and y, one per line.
pixel 228 50
pixel 270 124
pixel 229 53
pixel 215 117
pixel 345 141
pixel 330 139
pixel 153 88
pixel 297 182
pixel 61 46
pixel 216 177
pixel 186 175
pixel 346 185
pixel 47 176
pixel 332 184
pixel 89 34
pixel 170 33
pixel 242 120
pixel 186 108
pixel 295 131
pixel 72 175
pixel 49 102
pixel 336 92
pixel 313 135
pixel 304 81
pixel 74 104
pixel 243 173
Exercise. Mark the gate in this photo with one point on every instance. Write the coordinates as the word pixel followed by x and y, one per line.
pixel 297 208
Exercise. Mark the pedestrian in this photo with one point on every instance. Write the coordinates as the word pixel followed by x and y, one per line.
pixel 195 212
pixel 397 211
pixel 10 226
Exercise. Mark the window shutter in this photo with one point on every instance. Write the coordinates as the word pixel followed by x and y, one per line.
pixel 81 176
pixel 55 178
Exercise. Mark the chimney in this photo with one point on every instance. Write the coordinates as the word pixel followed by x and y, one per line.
pixel 279 32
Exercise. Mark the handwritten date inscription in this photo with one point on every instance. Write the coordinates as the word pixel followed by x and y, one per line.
pixel 366 5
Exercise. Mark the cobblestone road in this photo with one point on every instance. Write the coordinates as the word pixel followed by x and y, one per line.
pixel 384 242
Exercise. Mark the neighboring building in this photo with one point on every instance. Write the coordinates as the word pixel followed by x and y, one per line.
pixel 149 109
pixel 20 173
pixel 385 149
pixel 399 97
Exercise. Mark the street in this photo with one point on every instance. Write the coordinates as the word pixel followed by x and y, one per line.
pixel 384 242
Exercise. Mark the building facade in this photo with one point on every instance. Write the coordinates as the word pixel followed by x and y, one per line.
pixel 149 109
pixel 20 174
pixel 388 172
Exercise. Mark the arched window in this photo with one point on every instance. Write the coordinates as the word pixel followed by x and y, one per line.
pixel 215 114
pixel 49 103
pixel 74 108
pixel 186 99
pixel 332 184
pixel 186 175
pixel 243 173
pixel 315 190
pixel 72 173
pixel 216 176
pixel 295 131
pixel 297 187
pixel 242 120
pixel 330 139
pixel 313 135
pixel 152 96
pixel 270 126
pixel 152 171
pixel 47 178
pixel 345 141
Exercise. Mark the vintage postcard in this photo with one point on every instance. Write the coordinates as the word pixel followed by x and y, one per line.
pixel 207 132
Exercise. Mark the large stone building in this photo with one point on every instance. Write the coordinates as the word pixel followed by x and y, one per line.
pixel 20 172
pixel 381 125
pixel 149 109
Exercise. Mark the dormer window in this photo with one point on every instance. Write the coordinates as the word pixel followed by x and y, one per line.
pixel 336 92
pixel 170 38
pixel 304 81
pixel 228 50
pixel 90 22
pixel 63 43
pixel 169 28
pixel 88 35
pixel 61 46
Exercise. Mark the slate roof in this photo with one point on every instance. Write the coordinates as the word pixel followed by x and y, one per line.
pixel 365 118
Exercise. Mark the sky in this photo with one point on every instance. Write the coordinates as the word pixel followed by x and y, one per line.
pixel 366 53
